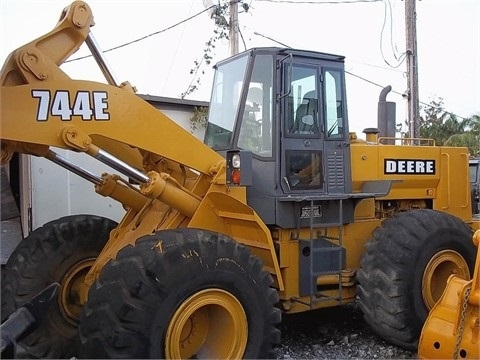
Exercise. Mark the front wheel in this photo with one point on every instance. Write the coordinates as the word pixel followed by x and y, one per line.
pixel 61 251
pixel 182 293
pixel 405 268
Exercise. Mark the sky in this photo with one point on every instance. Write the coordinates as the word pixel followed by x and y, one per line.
pixel 370 34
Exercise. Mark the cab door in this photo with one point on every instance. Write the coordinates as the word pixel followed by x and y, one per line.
pixel 313 143
pixel 335 131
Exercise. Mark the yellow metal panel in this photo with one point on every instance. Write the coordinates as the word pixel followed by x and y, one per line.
pixel 452 328
pixel 122 116
pixel 416 172
pixel 365 209
pixel 291 274
pixel 39 59
pixel 454 190
pixel 443 328
pixel 355 237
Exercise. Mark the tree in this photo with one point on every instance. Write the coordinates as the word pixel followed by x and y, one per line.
pixel 473 140
pixel 467 139
pixel 474 124
pixel 448 129
pixel 220 14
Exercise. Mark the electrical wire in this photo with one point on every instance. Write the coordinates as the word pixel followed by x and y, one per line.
pixel 362 63
pixel 403 95
pixel 149 35
pixel 394 47
pixel 403 56
pixel 376 66
pixel 369 81
pixel 175 53
pixel 243 40
pixel 320 2
pixel 372 82
pixel 267 37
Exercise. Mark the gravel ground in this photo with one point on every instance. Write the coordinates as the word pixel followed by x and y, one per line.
pixel 335 333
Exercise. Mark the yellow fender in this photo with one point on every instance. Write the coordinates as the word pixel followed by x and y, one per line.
pixel 230 216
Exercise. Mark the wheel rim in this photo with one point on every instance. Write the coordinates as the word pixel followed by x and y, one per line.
pixel 70 288
pixel 209 324
pixel 437 272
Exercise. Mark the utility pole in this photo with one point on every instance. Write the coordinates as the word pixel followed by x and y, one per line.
pixel 412 69
pixel 233 31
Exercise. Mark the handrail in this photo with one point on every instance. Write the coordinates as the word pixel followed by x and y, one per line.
pixel 409 141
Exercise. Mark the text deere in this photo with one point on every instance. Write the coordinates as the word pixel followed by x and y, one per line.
pixel 409 166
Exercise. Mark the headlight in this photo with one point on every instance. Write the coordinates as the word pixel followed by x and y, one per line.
pixel 236 161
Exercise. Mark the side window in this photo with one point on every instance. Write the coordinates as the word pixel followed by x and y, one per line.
pixel 304 169
pixel 256 127
pixel 333 93
pixel 227 87
pixel 302 102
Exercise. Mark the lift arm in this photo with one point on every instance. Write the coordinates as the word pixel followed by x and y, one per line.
pixel 55 110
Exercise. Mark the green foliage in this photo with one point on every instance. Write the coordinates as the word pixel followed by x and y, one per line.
pixel 467 139
pixel 199 118
pixel 220 14
pixel 449 130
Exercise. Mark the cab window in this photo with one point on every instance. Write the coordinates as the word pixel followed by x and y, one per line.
pixel 304 169
pixel 224 103
pixel 256 123
pixel 302 102
pixel 333 100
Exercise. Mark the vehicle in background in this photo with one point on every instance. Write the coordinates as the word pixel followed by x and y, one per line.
pixel 474 165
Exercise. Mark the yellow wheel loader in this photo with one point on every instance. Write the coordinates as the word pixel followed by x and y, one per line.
pixel 279 210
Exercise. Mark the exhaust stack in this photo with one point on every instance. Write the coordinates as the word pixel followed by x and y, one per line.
pixel 386 121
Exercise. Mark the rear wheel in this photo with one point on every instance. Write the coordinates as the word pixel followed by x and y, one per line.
pixel 182 293
pixel 61 251
pixel 405 268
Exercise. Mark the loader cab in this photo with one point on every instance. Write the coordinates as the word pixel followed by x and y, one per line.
pixel 288 108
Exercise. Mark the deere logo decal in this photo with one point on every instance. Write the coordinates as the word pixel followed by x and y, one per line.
pixel 409 166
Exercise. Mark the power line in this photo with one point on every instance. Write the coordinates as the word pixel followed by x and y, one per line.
pixel 367 80
pixel 402 94
pixel 402 57
pixel 349 60
pixel 311 2
pixel 243 40
pixel 147 36
pixel 175 53
pixel 269 38
pixel 375 66
pixel 394 48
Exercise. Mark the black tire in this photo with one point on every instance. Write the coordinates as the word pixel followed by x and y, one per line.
pixel 61 249
pixel 132 304
pixel 404 271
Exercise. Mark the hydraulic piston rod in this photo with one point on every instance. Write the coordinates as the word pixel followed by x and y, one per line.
pixel 121 166
pixel 100 59
pixel 75 138
pixel 105 186
pixel 65 163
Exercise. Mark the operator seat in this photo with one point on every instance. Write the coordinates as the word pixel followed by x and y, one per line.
pixel 306 117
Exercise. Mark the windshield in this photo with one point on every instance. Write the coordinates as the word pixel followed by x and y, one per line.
pixel 227 88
